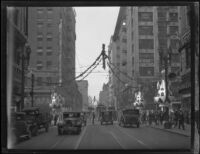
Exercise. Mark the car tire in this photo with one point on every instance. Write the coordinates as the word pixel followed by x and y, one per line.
pixel 47 128
pixel 59 131
pixel 35 131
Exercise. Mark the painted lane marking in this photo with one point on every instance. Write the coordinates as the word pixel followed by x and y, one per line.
pixel 80 138
pixel 57 143
pixel 114 136
pixel 135 138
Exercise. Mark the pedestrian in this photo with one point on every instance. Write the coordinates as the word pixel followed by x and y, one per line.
pixel 93 117
pixel 181 120
pixel 176 114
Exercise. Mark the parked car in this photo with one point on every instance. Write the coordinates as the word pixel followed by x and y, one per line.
pixel 20 127
pixel 69 122
pixel 130 117
pixel 36 120
pixel 106 117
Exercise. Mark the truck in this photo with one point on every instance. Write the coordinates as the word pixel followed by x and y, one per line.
pixel 36 120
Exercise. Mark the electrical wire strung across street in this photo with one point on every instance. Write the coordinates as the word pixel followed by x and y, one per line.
pixel 120 70
pixel 92 69
pixel 67 81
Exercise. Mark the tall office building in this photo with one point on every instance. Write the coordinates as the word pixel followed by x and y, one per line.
pixel 52 39
pixel 150 33
pixel 83 88
pixel 17 43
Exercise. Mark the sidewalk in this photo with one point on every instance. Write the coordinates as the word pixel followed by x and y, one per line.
pixel 186 132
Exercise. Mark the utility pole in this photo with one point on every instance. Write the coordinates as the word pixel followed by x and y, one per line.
pixel 22 81
pixel 103 56
pixel 32 88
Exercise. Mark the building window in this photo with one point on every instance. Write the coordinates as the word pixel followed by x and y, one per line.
pixel 145 16
pixel 173 30
pixel 132 48
pixel 39 51
pixel 146 71
pixel 49 23
pixel 124 63
pixel 162 43
pixel 173 17
pixel 146 43
pixel 124 51
pixel 174 43
pixel 132 61
pixel 188 57
pixel 146 57
pixel 49 64
pixel 39 81
pixel 40 14
pixel 145 30
pixel 49 81
pixel 124 40
pixel 49 52
pixel 39 65
pixel 124 29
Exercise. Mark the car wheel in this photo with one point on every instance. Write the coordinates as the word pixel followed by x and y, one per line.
pixel 47 128
pixel 59 131
pixel 35 131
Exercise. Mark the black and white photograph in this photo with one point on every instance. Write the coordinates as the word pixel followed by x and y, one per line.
pixel 101 77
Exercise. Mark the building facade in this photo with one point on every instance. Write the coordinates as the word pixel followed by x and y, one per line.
pixel 83 88
pixel 104 95
pixel 18 52
pixel 150 33
pixel 52 39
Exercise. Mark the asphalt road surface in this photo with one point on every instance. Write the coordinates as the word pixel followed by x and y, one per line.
pixel 107 137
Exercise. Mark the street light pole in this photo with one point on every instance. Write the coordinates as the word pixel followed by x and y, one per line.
pixel 22 81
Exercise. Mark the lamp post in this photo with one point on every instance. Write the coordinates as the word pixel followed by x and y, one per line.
pixel 25 57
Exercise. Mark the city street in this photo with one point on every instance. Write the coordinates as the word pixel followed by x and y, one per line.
pixel 108 137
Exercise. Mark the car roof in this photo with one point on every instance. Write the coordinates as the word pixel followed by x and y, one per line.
pixel 129 109
pixel 71 112
pixel 19 113
pixel 31 109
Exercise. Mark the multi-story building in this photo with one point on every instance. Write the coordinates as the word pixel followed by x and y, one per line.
pixel 83 88
pixel 118 55
pixel 17 49
pixel 52 39
pixel 185 50
pixel 104 95
pixel 150 32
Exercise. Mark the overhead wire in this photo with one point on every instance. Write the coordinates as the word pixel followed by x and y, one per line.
pixel 91 69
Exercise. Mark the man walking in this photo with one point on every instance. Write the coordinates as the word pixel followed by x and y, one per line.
pixel 181 120
pixel 93 117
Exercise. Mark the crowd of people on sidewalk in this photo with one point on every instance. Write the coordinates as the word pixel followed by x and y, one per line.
pixel 177 118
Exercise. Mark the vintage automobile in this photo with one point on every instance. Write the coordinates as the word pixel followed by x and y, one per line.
pixel 130 117
pixel 36 120
pixel 69 122
pixel 20 127
pixel 106 117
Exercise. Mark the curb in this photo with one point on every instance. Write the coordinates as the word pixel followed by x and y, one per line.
pixel 170 131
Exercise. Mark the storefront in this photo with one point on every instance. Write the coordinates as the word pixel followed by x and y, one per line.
pixel 185 91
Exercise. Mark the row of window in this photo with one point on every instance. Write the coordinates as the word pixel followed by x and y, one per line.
pixel 148 16
pixel 44 81
pixel 40 66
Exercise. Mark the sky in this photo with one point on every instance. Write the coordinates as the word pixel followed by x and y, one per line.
pixel 94 27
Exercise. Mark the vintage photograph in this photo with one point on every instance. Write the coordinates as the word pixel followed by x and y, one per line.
pixel 102 77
